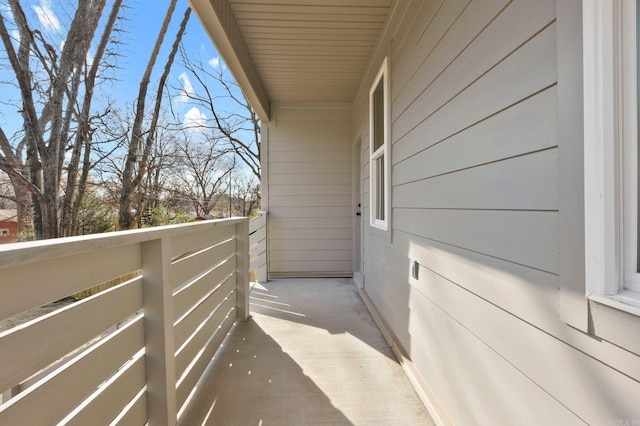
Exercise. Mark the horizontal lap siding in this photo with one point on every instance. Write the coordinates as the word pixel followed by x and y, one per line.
pixel 310 191
pixel 475 202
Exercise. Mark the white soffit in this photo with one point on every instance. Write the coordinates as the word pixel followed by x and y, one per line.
pixel 307 50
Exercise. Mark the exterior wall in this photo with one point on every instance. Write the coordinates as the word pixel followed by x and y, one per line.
pixel 309 191
pixel 12 228
pixel 483 96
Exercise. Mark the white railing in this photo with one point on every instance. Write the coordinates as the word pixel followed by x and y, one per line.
pixel 131 354
pixel 258 246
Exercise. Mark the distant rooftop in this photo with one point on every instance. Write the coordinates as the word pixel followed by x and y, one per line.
pixel 9 215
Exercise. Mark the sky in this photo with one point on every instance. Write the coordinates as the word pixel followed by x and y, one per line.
pixel 144 19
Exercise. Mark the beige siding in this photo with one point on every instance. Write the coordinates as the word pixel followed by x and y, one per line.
pixel 476 99
pixel 310 190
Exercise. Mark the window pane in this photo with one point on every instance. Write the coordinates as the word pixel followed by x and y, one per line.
pixel 378 115
pixel 380 188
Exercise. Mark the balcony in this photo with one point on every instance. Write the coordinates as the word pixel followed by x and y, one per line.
pixel 309 354
pixel 162 347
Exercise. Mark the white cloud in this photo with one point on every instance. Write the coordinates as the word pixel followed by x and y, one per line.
pixel 194 118
pixel 47 17
pixel 214 62
pixel 90 57
pixel 187 88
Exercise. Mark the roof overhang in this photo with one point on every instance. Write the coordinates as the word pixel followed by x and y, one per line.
pixel 307 51
pixel 218 20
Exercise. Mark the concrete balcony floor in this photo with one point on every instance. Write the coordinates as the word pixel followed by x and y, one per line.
pixel 310 354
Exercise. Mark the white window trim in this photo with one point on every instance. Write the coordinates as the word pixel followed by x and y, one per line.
pixel 610 119
pixel 383 150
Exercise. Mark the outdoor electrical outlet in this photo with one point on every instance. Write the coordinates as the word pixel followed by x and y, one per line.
pixel 415 269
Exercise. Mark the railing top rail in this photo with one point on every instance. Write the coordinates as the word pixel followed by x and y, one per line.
pixel 20 253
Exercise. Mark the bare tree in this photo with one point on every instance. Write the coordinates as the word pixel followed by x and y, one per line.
pixel 12 163
pixel 50 79
pixel 153 189
pixel 77 173
pixel 69 142
pixel 201 173
pixel 233 120
pixel 142 140
pixel 246 197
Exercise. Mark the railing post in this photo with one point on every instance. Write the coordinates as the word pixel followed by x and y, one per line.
pixel 242 269
pixel 159 332
pixel 262 269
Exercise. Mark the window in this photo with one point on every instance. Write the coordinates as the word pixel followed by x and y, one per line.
pixel 611 152
pixel 4 232
pixel 631 278
pixel 379 131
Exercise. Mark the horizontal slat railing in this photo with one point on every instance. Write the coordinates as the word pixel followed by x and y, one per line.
pixel 130 354
pixel 71 273
pixel 119 391
pixel 46 340
pixel 258 246
pixel 202 287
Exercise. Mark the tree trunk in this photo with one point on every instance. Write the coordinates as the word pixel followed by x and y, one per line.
pixel 44 159
pixel 131 179
pixel 125 220
pixel 72 199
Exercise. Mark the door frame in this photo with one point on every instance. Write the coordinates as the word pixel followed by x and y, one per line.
pixel 358 214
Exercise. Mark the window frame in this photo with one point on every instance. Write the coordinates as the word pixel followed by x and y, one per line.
pixel 383 151
pixel 610 155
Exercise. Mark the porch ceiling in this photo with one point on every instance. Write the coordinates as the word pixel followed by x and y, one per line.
pixel 295 50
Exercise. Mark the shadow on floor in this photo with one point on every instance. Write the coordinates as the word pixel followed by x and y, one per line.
pixel 253 382
pixel 330 304
pixel 311 354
